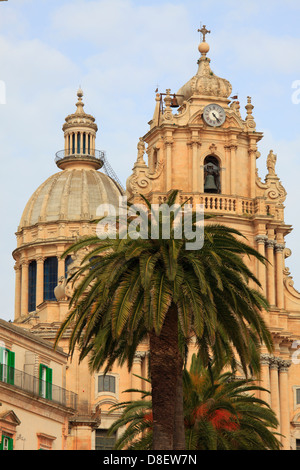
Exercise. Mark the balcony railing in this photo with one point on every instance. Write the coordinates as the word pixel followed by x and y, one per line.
pixel 68 154
pixel 219 203
pixel 37 387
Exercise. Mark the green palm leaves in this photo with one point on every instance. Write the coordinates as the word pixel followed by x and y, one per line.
pixel 126 289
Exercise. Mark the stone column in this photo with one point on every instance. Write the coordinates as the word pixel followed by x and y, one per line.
pixel 17 291
pixel 284 403
pixel 265 377
pixel 252 156
pixel 233 149
pixel 274 387
pixel 61 265
pixel 270 272
pixel 195 168
pixel 261 269
pixel 136 382
pixel 39 280
pixel 168 147
pixel 279 275
pixel 24 288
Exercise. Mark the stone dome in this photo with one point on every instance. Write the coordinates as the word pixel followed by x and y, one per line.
pixel 70 195
pixel 205 83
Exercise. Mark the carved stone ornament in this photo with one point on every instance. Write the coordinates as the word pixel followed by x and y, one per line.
pixel 140 181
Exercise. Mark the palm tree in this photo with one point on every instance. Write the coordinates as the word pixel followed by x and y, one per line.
pixel 127 289
pixel 220 411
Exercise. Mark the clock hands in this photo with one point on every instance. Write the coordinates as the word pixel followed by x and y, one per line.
pixel 215 117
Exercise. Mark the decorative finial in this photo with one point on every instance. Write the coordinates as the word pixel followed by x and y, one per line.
pixel 79 103
pixel 204 32
pixel 203 46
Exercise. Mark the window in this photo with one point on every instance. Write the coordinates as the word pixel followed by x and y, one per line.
pixel 50 277
pixel 45 388
pixel 7 366
pixel 106 383
pixel 103 441
pixel 68 261
pixel 7 443
pixel 298 396
pixel 32 286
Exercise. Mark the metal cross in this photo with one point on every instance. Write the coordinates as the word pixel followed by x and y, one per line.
pixel 204 32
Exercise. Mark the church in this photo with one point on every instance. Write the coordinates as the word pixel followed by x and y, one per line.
pixel 200 142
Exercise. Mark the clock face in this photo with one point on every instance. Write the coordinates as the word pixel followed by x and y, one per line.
pixel 214 115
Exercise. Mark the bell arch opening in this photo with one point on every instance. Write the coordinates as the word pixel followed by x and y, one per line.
pixel 212 180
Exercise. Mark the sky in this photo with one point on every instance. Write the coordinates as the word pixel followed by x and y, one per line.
pixel 119 52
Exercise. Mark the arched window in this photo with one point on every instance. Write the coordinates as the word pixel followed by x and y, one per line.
pixel 68 261
pixel 78 143
pixel 212 182
pixel 50 277
pixel 32 286
pixel 73 144
pixel 106 383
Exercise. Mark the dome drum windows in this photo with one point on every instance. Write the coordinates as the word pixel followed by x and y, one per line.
pixel 79 143
pixel 50 277
pixel 32 271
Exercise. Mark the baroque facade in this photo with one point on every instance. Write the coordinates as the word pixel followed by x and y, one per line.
pixel 208 151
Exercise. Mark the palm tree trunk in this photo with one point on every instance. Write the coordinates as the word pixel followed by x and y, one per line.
pixel 164 359
pixel 179 432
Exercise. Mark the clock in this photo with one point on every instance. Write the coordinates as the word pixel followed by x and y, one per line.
pixel 214 115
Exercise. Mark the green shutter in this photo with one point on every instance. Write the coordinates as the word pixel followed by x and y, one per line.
pixel 10 444
pixel 49 383
pixel 1 364
pixel 11 367
pixel 40 379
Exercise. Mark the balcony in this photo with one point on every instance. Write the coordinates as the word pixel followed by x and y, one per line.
pixel 37 387
pixel 223 204
pixel 97 157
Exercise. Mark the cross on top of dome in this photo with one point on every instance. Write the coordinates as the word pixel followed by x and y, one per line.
pixel 204 32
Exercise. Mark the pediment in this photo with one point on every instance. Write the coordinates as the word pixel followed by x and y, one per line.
pixel 9 417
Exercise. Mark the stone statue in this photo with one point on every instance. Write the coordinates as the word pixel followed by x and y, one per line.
pixel 141 150
pixel 271 162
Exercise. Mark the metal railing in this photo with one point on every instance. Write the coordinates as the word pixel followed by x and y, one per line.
pixel 37 387
pixel 70 154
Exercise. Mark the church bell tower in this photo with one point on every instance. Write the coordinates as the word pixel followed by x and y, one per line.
pixel 207 149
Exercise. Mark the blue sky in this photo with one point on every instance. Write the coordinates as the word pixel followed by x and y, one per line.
pixel 119 51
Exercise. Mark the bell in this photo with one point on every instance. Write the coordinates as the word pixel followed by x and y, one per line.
pixel 174 102
pixel 210 185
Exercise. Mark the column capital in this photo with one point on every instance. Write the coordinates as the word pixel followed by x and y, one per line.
pixel 284 365
pixel 270 243
pixel 265 359
pixel 24 262
pixel 231 147
pixel 261 239
pixel 139 356
pixel 274 363
pixel 279 247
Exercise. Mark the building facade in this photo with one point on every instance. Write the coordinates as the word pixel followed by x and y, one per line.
pixel 208 151
pixel 35 405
